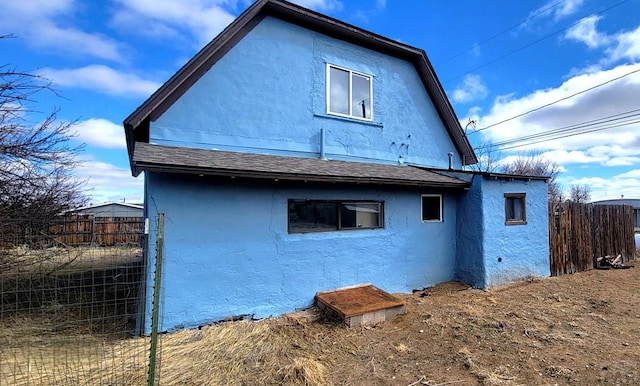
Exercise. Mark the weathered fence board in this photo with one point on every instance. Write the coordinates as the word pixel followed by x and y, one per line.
pixel 579 233
pixel 98 231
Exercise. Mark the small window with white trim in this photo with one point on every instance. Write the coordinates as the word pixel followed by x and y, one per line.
pixel 432 208
pixel 349 93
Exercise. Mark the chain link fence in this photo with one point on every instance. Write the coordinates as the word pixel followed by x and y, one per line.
pixel 72 294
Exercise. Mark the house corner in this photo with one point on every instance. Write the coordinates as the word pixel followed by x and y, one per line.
pixel 469 267
pixel 503 231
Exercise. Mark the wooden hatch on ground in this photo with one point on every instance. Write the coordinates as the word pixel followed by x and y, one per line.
pixel 360 305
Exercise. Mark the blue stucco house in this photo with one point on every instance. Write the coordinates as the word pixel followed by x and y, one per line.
pixel 296 153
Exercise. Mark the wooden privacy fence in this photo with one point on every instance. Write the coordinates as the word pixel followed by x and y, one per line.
pixel 98 231
pixel 579 233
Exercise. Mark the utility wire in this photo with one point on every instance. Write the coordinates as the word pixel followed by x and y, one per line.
pixel 533 16
pixel 573 134
pixel 585 130
pixel 533 42
pixel 559 100
pixel 565 129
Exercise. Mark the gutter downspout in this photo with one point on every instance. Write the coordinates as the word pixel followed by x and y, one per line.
pixel 322 142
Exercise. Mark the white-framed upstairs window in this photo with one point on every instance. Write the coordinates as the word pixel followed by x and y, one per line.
pixel 349 93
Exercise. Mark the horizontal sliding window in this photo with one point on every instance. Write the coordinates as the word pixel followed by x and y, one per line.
pixel 324 216
pixel 349 93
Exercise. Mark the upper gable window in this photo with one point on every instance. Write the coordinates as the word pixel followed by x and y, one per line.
pixel 349 93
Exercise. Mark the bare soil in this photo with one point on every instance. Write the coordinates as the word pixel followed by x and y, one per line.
pixel 580 329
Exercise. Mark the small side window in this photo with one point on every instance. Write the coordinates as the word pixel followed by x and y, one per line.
pixel 432 208
pixel 515 208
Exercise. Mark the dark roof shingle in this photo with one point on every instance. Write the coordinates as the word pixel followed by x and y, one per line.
pixel 137 124
pixel 162 158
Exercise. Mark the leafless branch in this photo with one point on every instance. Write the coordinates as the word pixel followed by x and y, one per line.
pixel 36 159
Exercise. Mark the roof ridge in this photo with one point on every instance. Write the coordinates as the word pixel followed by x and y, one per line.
pixel 137 123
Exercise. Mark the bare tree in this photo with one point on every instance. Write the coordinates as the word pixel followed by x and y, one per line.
pixel 36 159
pixel 580 194
pixel 534 164
pixel 488 158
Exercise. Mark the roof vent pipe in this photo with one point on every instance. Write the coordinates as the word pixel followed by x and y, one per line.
pixel 450 154
pixel 322 139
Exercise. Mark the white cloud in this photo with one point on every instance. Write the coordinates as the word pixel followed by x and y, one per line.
pixel 199 19
pixel 101 133
pixel 622 161
pixel 471 89
pixel 611 147
pixel 626 46
pixel 631 174
pixel 475 50
pixel 325 5
pixel 612 187
pixel 202 19
pixel 557 10
pixel 567 8
pixel 585 32
pixel 41 24
pixel 363 13
pixel 619 46
pixel 107 182
pixel 102 79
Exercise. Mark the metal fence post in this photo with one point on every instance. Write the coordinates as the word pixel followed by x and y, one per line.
pixel 156 301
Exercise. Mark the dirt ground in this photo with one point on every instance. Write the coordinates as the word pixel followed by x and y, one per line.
pixel 580 329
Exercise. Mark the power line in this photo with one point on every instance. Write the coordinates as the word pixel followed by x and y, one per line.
pixel 533 16
pixel 604 123
pixel 559 100
pixel 573 134
pixel 549 136
pixel 560 133
pixel 533 43
pixel 565 129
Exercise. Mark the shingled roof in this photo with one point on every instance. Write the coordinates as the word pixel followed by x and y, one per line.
pixel 172 159
pixel 137 124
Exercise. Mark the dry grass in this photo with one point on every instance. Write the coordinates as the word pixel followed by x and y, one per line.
pixel 570 330
pixel 264 352
pixel 268 352
pixel 21 260
pixel 499 376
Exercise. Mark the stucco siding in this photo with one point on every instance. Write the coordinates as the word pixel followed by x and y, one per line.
pixel 268 95
pixel 228 251
pixel 514 252
pixel 469 239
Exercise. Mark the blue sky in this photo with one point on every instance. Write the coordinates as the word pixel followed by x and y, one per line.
pixel 496 60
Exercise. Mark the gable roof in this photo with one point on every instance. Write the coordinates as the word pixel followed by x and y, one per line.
pixel 137 124
pixel 635 202
pixel 124 204
pixel 173 159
